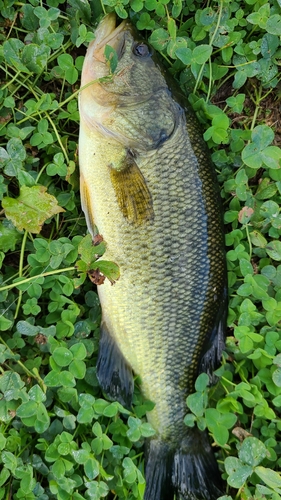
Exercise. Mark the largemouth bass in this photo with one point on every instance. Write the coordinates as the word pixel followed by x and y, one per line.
pixel 148 185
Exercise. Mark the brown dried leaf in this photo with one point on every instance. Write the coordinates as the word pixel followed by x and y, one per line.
pixel 240 433
pixel 98 238
pixel 96 276
pixel 245 214
pixel 40 339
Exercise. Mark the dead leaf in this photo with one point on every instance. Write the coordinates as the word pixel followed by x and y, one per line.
pixel 98 238
pixel 40 339
pixel 245 214
pixel 31 209
pixel 96 276
pixel 240 433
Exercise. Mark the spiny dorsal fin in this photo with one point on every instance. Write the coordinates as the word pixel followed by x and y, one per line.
pixel 132 193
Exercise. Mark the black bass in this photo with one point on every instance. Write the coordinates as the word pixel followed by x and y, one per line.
pixel 148 185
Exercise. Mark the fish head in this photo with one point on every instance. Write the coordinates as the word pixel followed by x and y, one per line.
pixel 133 104
pixel 131 80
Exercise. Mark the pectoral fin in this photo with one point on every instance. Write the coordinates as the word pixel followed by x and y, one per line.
pixel 86 205
pixel 131 190
pixel 113 372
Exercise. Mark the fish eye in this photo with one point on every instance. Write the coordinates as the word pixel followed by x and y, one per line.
pixel 141 49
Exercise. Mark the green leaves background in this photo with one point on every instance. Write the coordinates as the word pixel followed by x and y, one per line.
pixel 59 438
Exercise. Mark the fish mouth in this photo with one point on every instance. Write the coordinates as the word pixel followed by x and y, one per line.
pixel 108 33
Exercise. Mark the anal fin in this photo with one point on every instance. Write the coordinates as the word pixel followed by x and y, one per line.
pixel 113 372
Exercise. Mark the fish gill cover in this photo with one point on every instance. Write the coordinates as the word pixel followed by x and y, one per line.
pixel 60 438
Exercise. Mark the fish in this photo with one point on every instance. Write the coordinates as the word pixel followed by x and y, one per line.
pixel 148 186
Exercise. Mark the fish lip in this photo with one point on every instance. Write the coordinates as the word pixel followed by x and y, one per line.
pixel 109 34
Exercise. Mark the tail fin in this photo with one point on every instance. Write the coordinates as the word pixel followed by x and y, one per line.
pixel 189 473
pixel 158 471
pixel 195 474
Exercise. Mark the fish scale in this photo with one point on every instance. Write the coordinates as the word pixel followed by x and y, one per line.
pixel 164 318
pixel 170 294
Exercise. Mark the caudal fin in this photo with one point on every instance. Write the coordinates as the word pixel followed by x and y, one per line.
pixel 188 473
pixel 158 471
pixel 195 472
